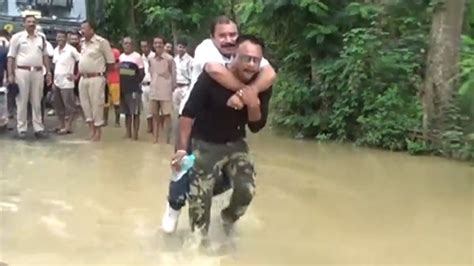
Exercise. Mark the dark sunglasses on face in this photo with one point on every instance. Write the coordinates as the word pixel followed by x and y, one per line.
pixel 247 58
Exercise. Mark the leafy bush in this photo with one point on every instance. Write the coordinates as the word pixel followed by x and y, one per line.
pixel 466 90
pixel 367 94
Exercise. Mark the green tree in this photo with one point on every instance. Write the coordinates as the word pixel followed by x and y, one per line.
pixel 180 17
pixel 375 72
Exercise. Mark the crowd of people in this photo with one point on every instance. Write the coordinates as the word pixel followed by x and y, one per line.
pixel 72 75
pixel 217 95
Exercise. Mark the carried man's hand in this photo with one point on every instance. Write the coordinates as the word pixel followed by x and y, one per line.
pixel 249 96
pixel 235 102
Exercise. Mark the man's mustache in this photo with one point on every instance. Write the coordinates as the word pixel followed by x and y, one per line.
pixel 228 45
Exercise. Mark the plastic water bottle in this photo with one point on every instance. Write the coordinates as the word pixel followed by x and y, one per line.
pixel 186 163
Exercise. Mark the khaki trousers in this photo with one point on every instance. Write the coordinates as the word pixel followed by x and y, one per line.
pixel 30 84
pixel 92 97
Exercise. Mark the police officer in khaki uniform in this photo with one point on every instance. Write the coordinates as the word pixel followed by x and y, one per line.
pixel 26 58
pixel 96 58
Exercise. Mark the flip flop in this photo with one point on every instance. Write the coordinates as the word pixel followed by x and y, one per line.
pixel 63 132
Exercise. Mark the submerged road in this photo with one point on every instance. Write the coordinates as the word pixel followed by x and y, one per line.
pixel 65 201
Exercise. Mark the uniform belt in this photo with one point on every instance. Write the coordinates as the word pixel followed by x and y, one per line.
pixel 92 75
pixel 146 83
pixel 31 68
pixel 182 85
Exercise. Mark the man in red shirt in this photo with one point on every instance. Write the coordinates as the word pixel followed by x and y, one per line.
pixel 113 92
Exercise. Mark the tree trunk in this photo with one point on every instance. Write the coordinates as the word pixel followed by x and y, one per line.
pixel 174 32
pixel 314 70
pixel 442 67
pixel 133 22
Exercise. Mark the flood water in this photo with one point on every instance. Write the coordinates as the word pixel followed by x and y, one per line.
pixel 68 202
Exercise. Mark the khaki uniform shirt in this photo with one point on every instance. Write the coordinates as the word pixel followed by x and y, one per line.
pixel 95 54
pixel 26 50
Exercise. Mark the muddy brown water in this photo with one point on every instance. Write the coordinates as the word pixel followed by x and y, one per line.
pixel 69 202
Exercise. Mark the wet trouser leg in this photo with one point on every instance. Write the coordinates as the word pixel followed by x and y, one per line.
pixel 178 190
pixel 241 172
pixel 213 160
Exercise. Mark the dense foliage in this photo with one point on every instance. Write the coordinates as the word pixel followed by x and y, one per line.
pixel 352 71
pixel 348 70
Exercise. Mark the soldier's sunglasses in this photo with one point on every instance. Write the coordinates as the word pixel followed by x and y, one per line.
pixel 248 58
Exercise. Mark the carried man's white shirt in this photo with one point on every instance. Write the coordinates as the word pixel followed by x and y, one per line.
pixel 207 52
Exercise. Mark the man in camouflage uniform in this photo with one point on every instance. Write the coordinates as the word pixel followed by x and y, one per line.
pixel 218 137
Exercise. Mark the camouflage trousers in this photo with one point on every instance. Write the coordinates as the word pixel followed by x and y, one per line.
pixel 213 161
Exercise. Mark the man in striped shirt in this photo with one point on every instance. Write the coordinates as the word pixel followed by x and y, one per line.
pixel 131 75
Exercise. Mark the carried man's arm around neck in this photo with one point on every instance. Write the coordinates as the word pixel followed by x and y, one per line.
pixel 265 78
pixel 224 76
pixel 257 107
